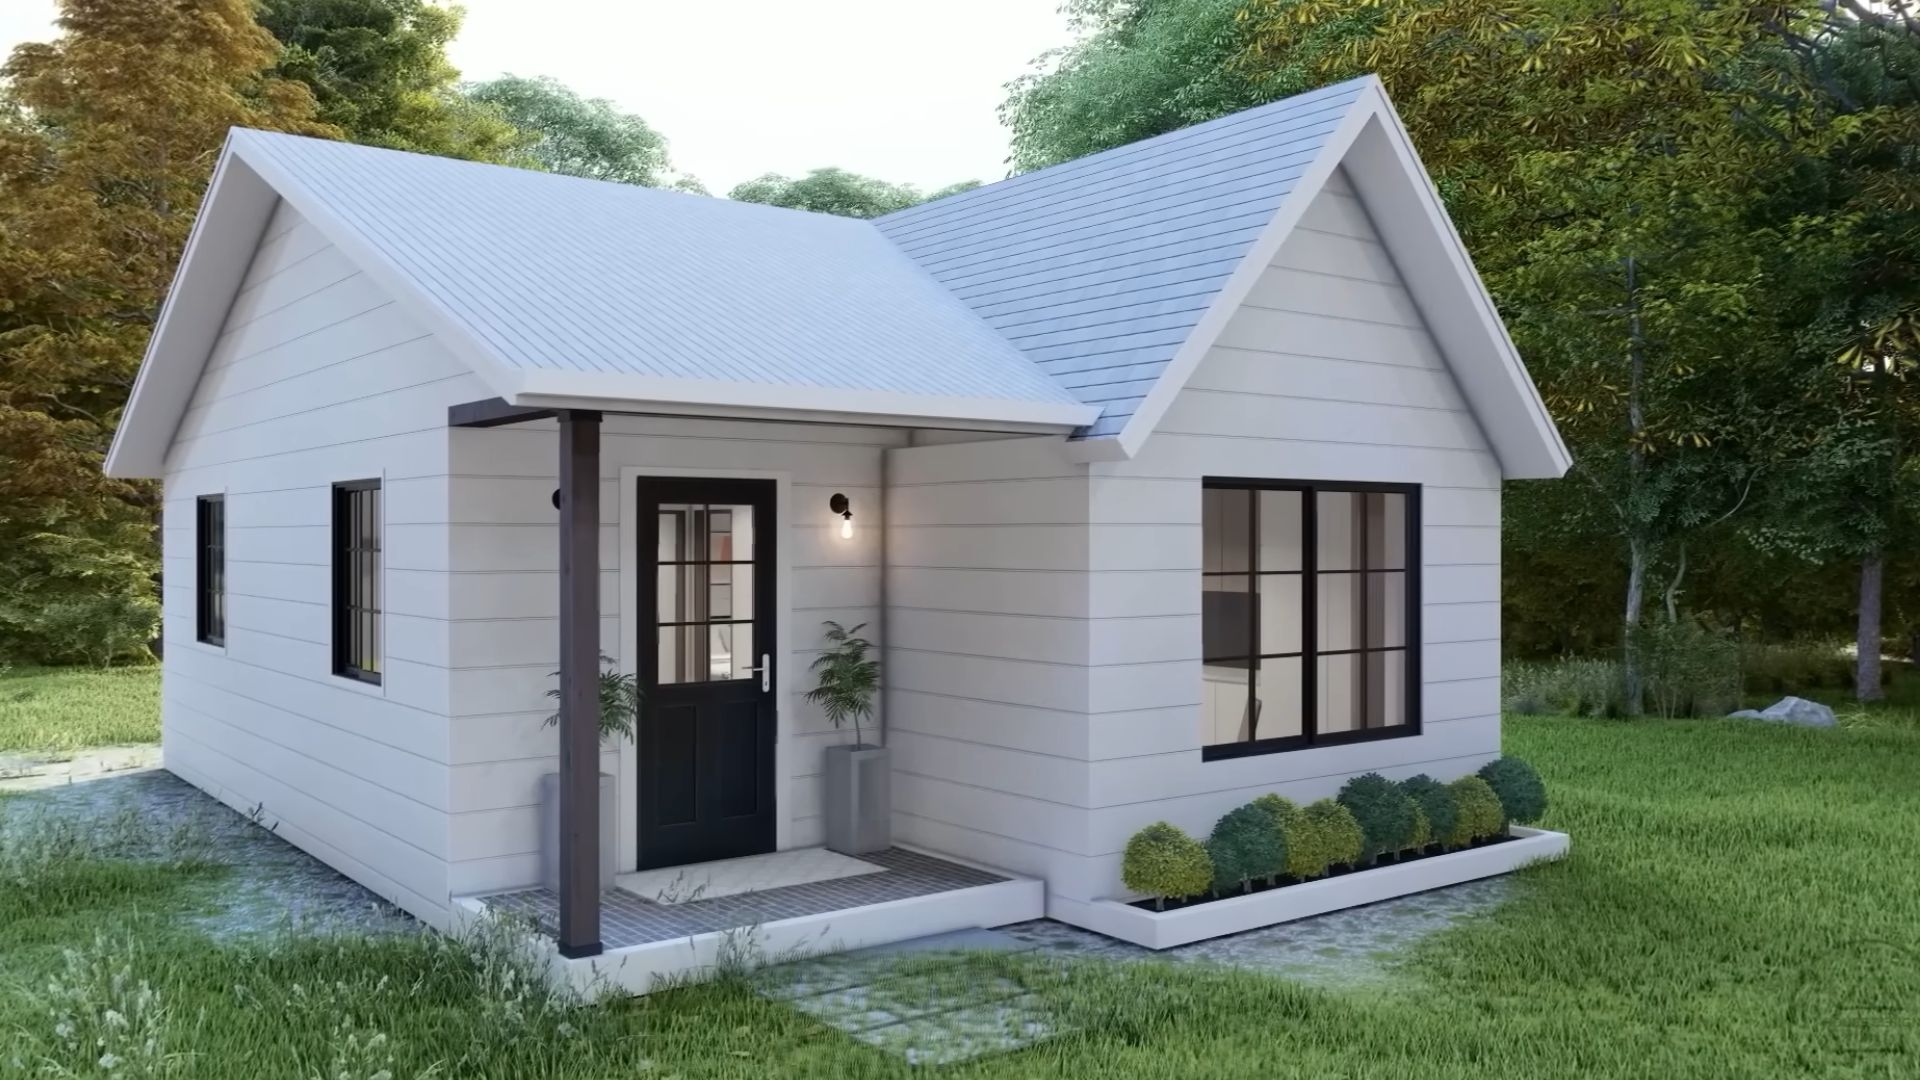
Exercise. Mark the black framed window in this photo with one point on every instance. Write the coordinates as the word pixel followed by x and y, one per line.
pixel 1309 614
pixel 356 580
pixel 210 569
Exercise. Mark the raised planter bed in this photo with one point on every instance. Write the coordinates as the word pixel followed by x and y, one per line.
pixel 1198 921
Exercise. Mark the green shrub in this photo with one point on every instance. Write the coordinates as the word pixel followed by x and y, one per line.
pixel 1564 687
pixel 1384 812
pixel 1523 798
pixel 1422 833
pixel 1322 834
pixel 1477 811
pixel 1281 814
pixel 1162 861
pixel 1245 846
pixel 1435 803
pixel 1800 668
pixel 101 629
pixel 1689 670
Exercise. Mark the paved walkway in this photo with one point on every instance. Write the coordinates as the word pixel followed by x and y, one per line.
pixel 31 772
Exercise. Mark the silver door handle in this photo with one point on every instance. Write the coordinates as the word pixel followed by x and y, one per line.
pixel 766 672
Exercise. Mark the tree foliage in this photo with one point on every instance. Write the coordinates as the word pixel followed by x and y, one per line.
pixel 111 135
pixel 837 191
pixel 379 72
pixel 566 133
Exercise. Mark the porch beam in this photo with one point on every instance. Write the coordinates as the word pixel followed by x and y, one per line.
pixel 493 412
pixel 580 822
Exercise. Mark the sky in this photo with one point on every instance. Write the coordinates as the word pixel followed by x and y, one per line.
pixel 905 90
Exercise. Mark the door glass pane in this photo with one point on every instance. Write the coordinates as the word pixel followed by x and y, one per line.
pixel 730 651
pixel 682 595
pixel 730 533
pixel 673 529
pixel 1280 529
pixel 1224 534
pixel 1281 615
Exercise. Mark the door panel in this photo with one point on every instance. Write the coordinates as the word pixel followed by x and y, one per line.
pixel 706 735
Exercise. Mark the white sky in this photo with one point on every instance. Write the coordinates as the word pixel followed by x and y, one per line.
pixel 905 90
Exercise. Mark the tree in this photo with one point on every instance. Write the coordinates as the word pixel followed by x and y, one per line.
pixel 379 70
pixel 829 191
pixel 112 133
pixel 566 133
pixel 1141 67
pixel 1608 166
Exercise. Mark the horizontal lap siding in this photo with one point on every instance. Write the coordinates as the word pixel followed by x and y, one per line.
pixel 989 590
pixel 501 529
pixel 317 377
pixel 1326 373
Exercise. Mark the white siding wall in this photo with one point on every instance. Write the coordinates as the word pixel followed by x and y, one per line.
pixel 988 599
pixel 1326 373
pixel 502 534
pixel 317 377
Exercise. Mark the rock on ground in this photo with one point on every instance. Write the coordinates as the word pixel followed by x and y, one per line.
pixel 1791 710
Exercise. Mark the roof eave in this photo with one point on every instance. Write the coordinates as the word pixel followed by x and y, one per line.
pixel 621 392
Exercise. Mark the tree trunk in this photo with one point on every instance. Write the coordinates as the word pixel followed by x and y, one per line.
pixel 1866 675
pixel 1632 694
pixel 1673 587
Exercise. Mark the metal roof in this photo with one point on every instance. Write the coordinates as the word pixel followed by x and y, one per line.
pixel 558 274
pixel 1099 268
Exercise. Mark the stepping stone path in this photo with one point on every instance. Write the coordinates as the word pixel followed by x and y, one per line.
pixel 909 1000
pixel 927 1003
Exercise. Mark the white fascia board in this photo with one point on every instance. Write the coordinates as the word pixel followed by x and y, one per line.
pixel 232 217
pixel 1439 274
pixel 433 316
pixel 1228 300
pixel 618 392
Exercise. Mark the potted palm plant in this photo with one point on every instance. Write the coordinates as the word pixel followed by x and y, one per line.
pixel 857 803
pixel 619 706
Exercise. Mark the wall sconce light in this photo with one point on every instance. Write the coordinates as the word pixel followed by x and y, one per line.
pixel 839 504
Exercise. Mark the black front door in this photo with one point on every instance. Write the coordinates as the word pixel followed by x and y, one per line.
pixel 705 739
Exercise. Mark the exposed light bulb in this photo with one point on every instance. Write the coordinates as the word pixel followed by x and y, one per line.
pixel 846 527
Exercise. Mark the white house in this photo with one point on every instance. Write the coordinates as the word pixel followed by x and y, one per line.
pixel 1173 477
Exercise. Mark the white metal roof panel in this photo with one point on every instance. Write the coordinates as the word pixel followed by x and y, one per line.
pixel 1099 268
pixel 554 273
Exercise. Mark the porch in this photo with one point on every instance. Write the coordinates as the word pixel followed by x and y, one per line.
pixel 709 915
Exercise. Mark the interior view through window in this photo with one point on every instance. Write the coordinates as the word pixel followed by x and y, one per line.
pixel 705 593
pixel 1305 617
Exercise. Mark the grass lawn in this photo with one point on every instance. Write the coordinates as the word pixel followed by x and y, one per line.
pixel 58 710
pixel 1744 901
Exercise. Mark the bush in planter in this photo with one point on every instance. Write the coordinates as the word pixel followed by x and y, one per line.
pixel 619 700
pixel 1523 798
pixel 1162 861
pixel 1435 803
pixel 1476 809
pixel 1281 814
pixel 1245 846
pixel 1322 834
pixel 1422 833
pixel 1384 812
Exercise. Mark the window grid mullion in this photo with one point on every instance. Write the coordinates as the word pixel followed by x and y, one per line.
pixel 1253 615
pixel 1309 614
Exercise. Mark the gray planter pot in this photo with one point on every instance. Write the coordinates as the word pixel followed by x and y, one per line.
pixel 857 804
pixel 550 830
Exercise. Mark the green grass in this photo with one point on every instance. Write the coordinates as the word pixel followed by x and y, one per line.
pixel 60 710
pixel 1741 900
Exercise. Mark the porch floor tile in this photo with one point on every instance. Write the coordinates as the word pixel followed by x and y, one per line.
pixel 627 919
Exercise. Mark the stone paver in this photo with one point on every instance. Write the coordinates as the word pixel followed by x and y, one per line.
pixel 33 772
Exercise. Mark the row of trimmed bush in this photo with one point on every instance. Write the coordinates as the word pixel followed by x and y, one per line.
pixel 1372 816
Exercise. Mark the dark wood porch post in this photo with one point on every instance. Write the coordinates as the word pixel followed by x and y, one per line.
pixel 580 822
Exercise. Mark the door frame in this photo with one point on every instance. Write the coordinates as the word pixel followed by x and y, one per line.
pixel 628 772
